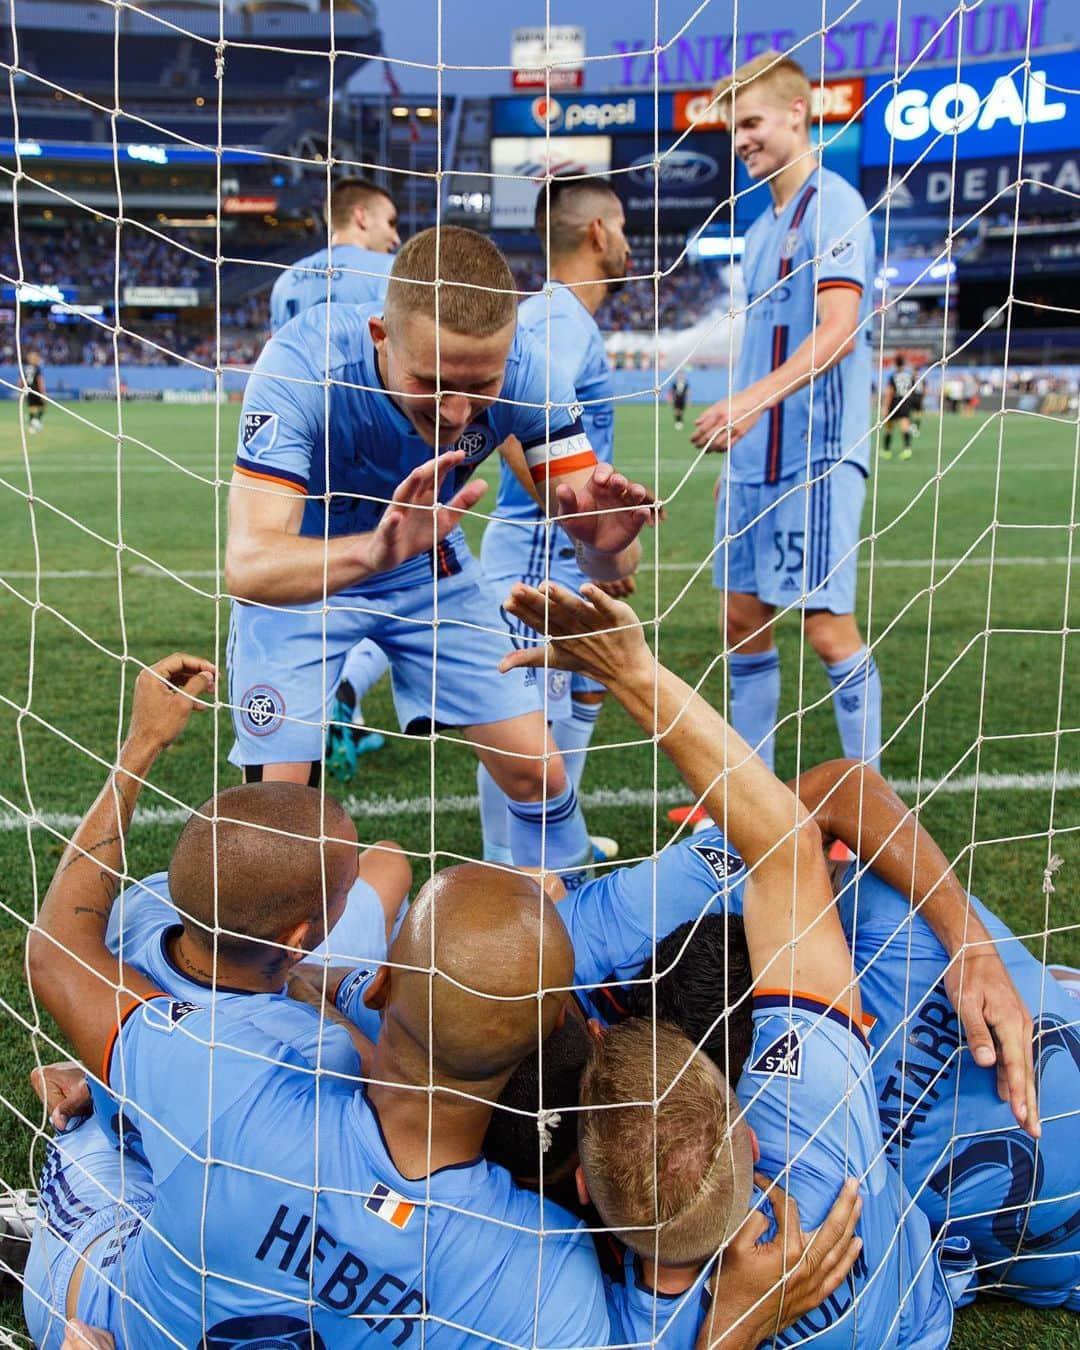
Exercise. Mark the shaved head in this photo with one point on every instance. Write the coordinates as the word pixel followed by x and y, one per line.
pixel 258 860
pixel 478 944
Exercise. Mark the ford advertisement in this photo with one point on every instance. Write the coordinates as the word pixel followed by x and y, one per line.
pixel 682 184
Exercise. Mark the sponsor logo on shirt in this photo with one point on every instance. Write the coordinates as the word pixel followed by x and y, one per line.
pixel 262 709
pixel 258 431
pixel 783 1057
pixel 387 1205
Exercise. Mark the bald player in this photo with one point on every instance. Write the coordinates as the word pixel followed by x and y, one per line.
pixel 337 1211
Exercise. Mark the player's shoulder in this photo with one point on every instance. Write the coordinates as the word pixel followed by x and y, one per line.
pixel 837 200
pixel 321 338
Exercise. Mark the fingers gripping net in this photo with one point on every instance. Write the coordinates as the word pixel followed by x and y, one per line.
pixel 149 221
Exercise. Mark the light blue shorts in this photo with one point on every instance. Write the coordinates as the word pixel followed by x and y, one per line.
pixel 284 668
pixel 536 552
pixel 793 544
pixel 87 1192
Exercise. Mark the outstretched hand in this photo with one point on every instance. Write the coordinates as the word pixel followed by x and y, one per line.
pixel 63 1090
pixel 762 1287
pixel 589 633
pixel 415 520
pixel 607 512
pixel 166 694
pixel 998 1027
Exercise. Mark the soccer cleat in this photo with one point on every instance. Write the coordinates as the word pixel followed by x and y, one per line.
pixel 604 849
pixel 688 815
pixel 839 852
pixel 884 454
pixel 906 452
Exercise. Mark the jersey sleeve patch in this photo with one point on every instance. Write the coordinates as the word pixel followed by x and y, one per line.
pixel 782 1056
pixel 721 862
pixel 258 432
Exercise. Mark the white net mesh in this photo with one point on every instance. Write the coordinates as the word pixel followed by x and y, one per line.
pixel 906 274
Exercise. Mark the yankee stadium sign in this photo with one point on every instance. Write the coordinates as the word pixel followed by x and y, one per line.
pixel 916 34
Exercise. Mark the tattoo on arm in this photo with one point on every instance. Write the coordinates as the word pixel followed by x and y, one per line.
pixel 103 914
pixel 83 853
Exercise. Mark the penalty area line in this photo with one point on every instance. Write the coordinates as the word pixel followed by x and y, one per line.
pixel 381 808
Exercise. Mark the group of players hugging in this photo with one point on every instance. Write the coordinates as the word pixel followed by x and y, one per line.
pixel 732 1094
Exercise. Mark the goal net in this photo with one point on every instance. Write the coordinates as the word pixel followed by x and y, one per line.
pixel 863 557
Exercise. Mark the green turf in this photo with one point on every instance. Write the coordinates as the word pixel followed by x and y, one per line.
pixel 974 661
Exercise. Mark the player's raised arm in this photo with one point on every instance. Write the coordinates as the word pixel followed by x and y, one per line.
pixel 81 983
pixel 852 802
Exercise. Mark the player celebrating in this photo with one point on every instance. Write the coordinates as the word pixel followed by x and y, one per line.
pixel 901 395
pixel 322 450
pixel 680 396
pixel 353 269
pixel 580 225
pixel 797 427
pixel 35 392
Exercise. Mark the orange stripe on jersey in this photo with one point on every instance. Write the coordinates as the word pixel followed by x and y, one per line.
pixel 840 285
pixel 110 1044
pixel 866 1022
pixel 270 478
pixel 557 468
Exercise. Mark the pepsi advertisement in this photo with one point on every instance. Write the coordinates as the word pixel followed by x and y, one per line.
pixel 980 113
pixel 572 115
pixel 683 184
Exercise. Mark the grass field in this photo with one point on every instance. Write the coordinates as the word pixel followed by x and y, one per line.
pixel 110 546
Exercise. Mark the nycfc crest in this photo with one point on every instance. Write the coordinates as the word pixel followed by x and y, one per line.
pixel 790 244
pixel 477 441
pixel 263 709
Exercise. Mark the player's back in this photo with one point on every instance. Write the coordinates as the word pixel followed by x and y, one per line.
pixel 954 1141
pixel 342 274
pixel 302 1220
pixel 569 339
pixel 820 241
pixel 808 1093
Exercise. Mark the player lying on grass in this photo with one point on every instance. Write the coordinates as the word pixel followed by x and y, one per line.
pixel 580 224
pixel 676 1181
pixel 344 401
pixel 238 1250
pixel 981 1159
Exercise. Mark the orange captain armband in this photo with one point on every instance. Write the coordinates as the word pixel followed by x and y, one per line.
pixel 569 451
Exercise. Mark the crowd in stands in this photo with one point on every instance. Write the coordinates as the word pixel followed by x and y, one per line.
pixel 679 300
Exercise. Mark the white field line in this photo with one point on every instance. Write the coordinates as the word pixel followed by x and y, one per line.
pixel 379 808
pixel 880 564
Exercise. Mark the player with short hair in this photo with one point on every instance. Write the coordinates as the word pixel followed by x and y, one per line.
pixel 353 269
pixel 325 547
pixel 901 396
pixel 797 426
pixel 35 392
pixel 580 224
pixel 680 396
pixel 675 1178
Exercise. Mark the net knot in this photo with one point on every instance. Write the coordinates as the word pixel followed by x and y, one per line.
pixel 546 1121
pixel 1048 873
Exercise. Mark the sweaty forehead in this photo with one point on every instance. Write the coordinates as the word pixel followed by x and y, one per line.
pixel 458 358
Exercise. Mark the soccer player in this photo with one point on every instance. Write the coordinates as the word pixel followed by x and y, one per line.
pixel 901 395
pixel 346 1210
pixel 35 392
pixel 675 1181
pixel 580 225
pixel 797 427
pixel 353 269
pixel 680 396
pixel 322 449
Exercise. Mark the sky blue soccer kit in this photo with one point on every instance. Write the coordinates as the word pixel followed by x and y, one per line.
pixel 317 420
pixel 335 1247
pixel 341 274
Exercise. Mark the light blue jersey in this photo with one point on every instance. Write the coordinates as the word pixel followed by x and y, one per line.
pixel 808 1093
pixel 570 339
pixel 820 241
pixel 342 274
pixel 318 420
pixel 954 1142
pixel 333 1245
